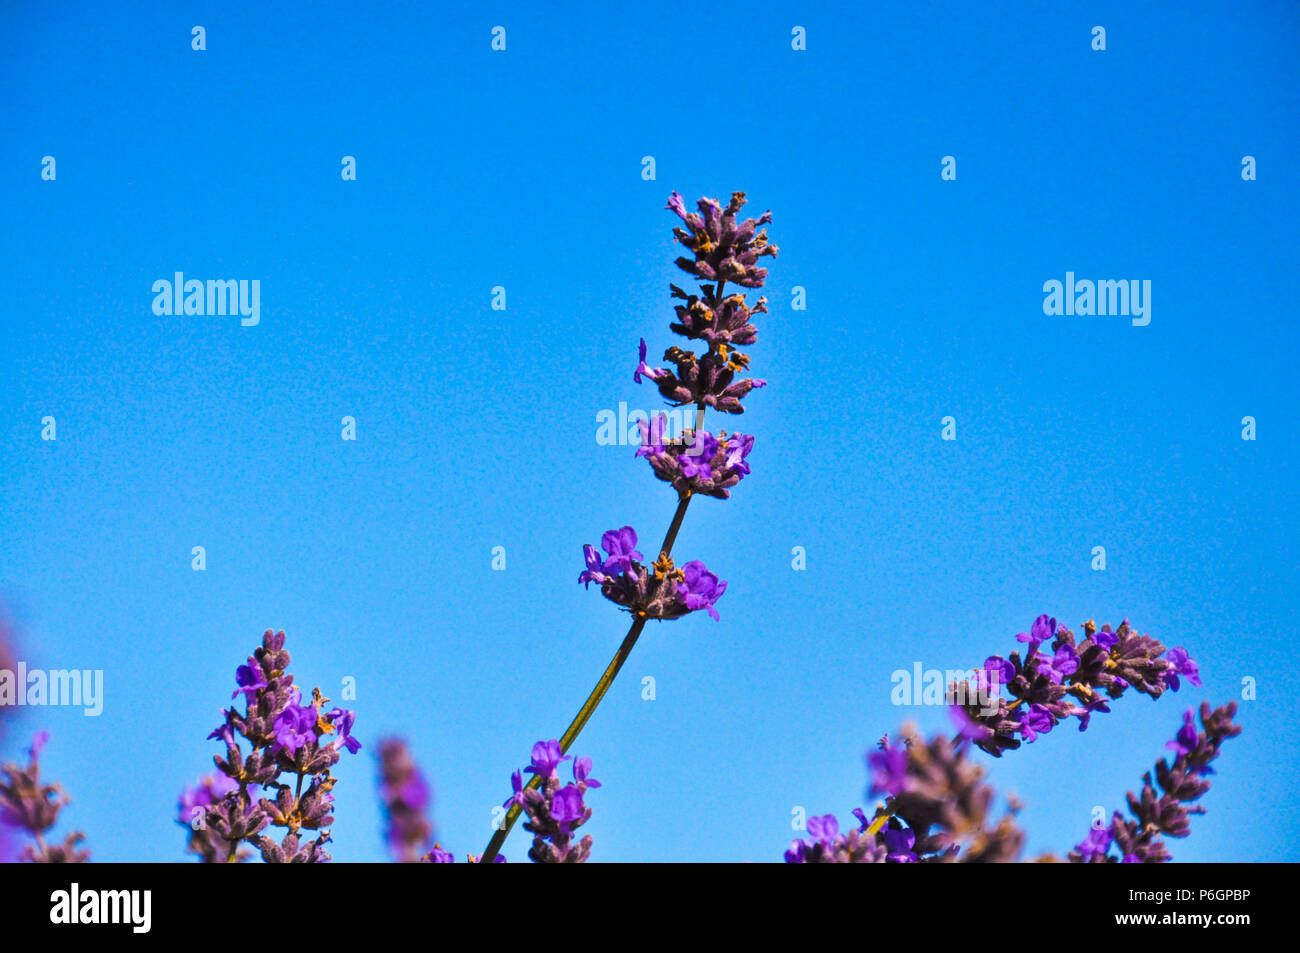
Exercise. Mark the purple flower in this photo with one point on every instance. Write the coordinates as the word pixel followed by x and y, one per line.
pixel 1185 741
pixel 581 772
pixel 1085 716
pixel 342 719
pixel 295 727
pixel 824 828
pixel 567 806
pixel 653 373
pixel 741 444
pixel 1096 844
pixel 968 727
pixel 208 791
pixel 1034 722
pixel 1106 639
pixel 594 566
pixel 700 589
pixel 516 790
pixel 1043 630
pixel 899 844
pixel 695 459
pixel 888 769
pixel 1180 663
pixel 1062 665
pixel 652 435
pixel 547 756
pixel 440 856
pixel 621 546
pixel 1001 671
pixel 250 679
pixel 223 732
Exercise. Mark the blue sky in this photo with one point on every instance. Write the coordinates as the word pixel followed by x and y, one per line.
pixel 476 428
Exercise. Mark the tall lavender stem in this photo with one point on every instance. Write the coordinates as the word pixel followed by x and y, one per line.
pixel 597 694
pixel 724 250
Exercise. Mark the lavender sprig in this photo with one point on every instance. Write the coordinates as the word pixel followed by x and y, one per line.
pixel 406 795
pixel 724 250
pixel 555 810
pixel 32 807
pixel 286 737
pixel 1074 680
pixel 939 811
pixel 1139 840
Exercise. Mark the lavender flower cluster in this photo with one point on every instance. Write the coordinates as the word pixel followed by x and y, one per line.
pixel 276 771
pixel 937 808
pixel 28 805
pixel 1140 839
pixel 700 463
pixel 939 811
pixel 1074 680
pixel 662 592
pixel 287 740
pixel 724 250
pixel 557 809
pixel 405 795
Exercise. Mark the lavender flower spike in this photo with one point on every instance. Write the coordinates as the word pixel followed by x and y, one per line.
pixel 1182 781
pixel 286 738
pixel 406 796
pixel 32 807
pixel 557 809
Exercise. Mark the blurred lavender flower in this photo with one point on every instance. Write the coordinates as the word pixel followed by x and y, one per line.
pixel 28 806
pixel 945 804
pixel 285 737
pixel 937 811
pixel 826 845
pixel 406 796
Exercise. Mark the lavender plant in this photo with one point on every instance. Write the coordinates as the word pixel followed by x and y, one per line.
pixel 1074 681
pixel 697 464
pixel 1140 839
pixel 288 742
pixel 29 806
pixel 272 792
pixel 937 807
pixel 405 795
